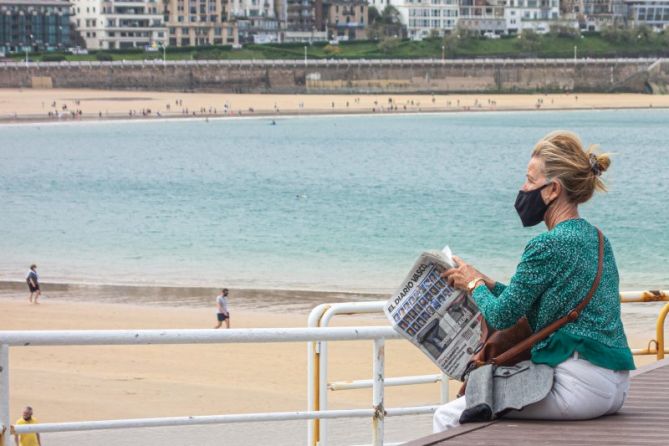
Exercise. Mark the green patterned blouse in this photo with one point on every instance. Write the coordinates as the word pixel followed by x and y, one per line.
pixel 554 274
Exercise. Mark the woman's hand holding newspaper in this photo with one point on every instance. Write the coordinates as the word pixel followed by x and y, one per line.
pixel 464 273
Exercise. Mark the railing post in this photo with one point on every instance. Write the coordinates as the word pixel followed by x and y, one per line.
pixel 377 391
pixel 313 374
pixel 445 381
pixel 4 394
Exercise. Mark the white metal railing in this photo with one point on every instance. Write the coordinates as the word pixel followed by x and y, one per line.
pixel 317 373
pixel 317 367
pixel 326 62
pixel 18 339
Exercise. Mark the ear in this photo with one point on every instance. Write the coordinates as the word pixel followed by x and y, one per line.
pixel 553 192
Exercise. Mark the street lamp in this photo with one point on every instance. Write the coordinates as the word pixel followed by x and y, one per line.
pixel 305 55
pixel 443 52
pixel 26 47
pixel 164 53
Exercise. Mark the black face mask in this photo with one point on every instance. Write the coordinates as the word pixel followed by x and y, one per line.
pixel 531 207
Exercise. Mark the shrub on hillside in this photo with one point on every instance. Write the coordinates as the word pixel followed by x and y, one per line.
pixel 617 34
pixel 53 58
pixel 529 41
pixel 564 30
pixel 331 50
pixel 103 57
pixel 388 44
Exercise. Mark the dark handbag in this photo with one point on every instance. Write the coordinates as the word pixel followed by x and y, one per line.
pixel 514 344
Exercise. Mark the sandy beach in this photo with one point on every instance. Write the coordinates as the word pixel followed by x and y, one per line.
pixel 66 105
pixel 78 383
pixel 89 383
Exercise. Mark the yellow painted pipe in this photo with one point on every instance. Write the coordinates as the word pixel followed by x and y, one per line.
pixel 644 296
pixel 646 351
pixel 660 331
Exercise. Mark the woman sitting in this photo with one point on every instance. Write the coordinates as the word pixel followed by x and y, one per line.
pixel 590 356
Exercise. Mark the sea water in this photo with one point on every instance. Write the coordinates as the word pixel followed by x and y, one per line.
pixel 333 203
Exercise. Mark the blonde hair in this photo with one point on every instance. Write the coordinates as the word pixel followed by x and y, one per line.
pixel 578 170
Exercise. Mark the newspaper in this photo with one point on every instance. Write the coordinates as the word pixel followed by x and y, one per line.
pixel 441 321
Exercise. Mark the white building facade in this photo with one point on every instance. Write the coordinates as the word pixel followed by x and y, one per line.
pixel 119 24
pixel 426 17
pixel 536 15
pixel 252 8
pixel 653 13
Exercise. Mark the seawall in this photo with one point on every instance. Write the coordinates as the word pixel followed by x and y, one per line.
pixel 347 76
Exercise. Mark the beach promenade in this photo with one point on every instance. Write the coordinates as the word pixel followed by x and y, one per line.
pixel 641 421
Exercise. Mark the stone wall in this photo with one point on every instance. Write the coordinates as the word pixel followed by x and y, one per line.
pixel 391 76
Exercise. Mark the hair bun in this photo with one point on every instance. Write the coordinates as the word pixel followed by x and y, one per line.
pixel 599 163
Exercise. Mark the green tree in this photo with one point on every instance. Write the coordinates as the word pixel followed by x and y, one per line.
pixel 384 23
pixel 390 15
pixel 451 42
pixel 373 15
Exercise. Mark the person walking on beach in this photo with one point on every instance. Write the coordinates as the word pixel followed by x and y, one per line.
pixel 222 313
pixel 32 279
pixel 32 439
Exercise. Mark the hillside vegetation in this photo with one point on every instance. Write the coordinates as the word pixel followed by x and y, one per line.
pixel 639 42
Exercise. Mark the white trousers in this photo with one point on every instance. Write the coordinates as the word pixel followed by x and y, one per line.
pixel 581 391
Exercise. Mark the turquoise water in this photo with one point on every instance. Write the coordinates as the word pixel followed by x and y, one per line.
pixel 340 203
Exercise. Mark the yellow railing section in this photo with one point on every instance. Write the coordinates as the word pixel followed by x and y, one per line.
pixel 655 346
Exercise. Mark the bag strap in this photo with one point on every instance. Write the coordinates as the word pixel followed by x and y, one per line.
pixel 569 317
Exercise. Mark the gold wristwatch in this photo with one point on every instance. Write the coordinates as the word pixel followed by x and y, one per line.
pixel 474 283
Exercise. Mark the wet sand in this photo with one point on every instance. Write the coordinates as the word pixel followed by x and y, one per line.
pixel 30 105
pixel 274 300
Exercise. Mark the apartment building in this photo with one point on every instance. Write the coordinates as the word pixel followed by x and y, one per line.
pixel 257 20
pixel 483 16
pixel 199 22
pixel 653 13
pixel 344 19
pixel 303 21
pixel 425 17
pixel 119 24
pixel 537 15
pixel 34 25
pixel 301 15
